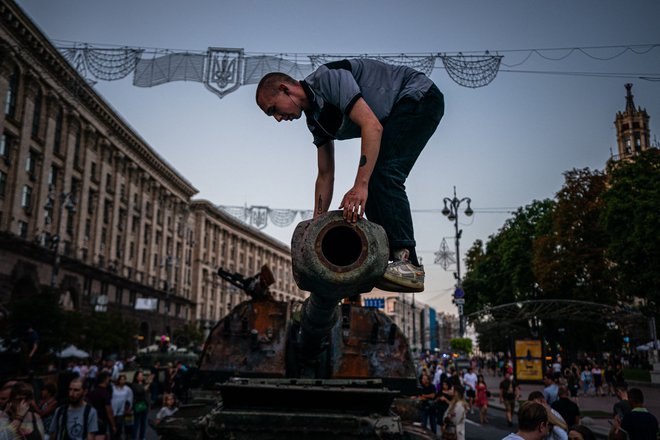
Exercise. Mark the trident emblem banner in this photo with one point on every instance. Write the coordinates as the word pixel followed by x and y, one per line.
pixel 224 68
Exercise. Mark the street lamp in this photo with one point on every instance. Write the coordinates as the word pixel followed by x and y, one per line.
pixel 450 211
pixel 68 203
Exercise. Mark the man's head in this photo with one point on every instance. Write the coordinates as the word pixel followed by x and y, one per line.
pixel 103 378
pixel 622 391
pixel 548 379
pixel 636 397
pixel 563 392
pixel 76 392
pixel 533 420
pixel 536 396
pixel 281 97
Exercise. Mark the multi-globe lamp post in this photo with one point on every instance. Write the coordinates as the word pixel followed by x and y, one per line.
pixel 450 211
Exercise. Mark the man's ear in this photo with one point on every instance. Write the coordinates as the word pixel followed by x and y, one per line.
pixel 283 88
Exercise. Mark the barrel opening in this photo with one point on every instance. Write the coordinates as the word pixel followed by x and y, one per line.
pixel 341 246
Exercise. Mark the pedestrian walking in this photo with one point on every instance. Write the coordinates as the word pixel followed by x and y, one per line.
pixel 509 394
pixel 394 110
pixel 101 399
pixel 122 400
pixel 585 379
pixel 140 407
pixel 75 420
pixel 453 427
pixel 597 377
pixel 481 400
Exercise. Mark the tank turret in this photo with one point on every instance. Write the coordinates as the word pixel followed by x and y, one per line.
pixel 323 368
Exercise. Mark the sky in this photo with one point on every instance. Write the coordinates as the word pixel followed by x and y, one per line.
pixel 503 145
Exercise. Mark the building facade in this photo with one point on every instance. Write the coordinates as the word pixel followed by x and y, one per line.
pixel 90 209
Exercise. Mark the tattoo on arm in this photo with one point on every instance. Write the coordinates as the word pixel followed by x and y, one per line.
pixel 319 205
pixel 363 160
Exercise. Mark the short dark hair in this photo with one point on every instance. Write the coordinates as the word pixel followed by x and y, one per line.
pixel 531 415
pixel 535 395
pixel 587 434
pixel 103 375
pixel 51 388
pixel 563 391
pixel 635 395
pixel 270 80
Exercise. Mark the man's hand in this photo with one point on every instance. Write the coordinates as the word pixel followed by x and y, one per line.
pixel 354 202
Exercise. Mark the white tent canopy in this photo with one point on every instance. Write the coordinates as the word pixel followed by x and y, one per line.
pixel 73 351
pixel 648 346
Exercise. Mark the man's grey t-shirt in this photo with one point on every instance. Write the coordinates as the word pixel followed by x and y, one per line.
pixel 334 88
pixel 75 423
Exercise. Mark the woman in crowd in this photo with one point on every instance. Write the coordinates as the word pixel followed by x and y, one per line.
pixel 140 406
pixel 454 418
pixel 122 401
pixel 17 422
pixel 585 378
pixel 443 399
pixel 47 405
pixel 481 400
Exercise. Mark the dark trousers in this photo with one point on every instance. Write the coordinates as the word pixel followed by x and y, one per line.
pixel 405 133
pixel 139 425
pixel 428 417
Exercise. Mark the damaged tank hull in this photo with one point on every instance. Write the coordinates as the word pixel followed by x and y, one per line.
pixel 321 369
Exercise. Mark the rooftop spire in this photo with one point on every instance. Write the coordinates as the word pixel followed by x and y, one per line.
pixel 630 105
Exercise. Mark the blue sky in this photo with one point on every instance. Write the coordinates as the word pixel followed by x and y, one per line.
pixel 503 145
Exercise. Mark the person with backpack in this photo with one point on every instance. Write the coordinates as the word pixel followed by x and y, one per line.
pixel 75 420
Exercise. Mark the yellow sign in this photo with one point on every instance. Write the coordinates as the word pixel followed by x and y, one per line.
pixel 529 360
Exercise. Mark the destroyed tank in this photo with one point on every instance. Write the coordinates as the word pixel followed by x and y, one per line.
pixel 325 368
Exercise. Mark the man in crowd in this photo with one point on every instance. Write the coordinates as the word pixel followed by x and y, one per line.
pixel 532 423
pixel 622 407
pixel 568 409
pixel 639 423
pixel 551 390
pixel 394 110
pixel 101 399
pixel 470 383
pixel 509 393
pixel 76 420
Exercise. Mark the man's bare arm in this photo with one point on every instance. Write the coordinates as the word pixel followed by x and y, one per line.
pixel 355 199
pixel 325 180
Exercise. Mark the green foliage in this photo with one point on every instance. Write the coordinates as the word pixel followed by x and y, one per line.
pixel 596 241
pixel 569 262
pixel 632 221
pixel 188 335
pixel 57 328
pixel 461 344
pixel 503 273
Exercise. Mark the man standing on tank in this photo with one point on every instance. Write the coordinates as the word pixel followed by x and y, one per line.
pixel 394 110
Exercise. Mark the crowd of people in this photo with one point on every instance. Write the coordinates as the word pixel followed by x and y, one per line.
pixel 91 401
pixel 449 394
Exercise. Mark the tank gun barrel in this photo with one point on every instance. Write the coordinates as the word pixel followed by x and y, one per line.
pixel 333 259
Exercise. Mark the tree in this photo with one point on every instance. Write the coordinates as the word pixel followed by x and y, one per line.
pixel 461 344
pixel 570 262
pixel 631 219
pixel 502 273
